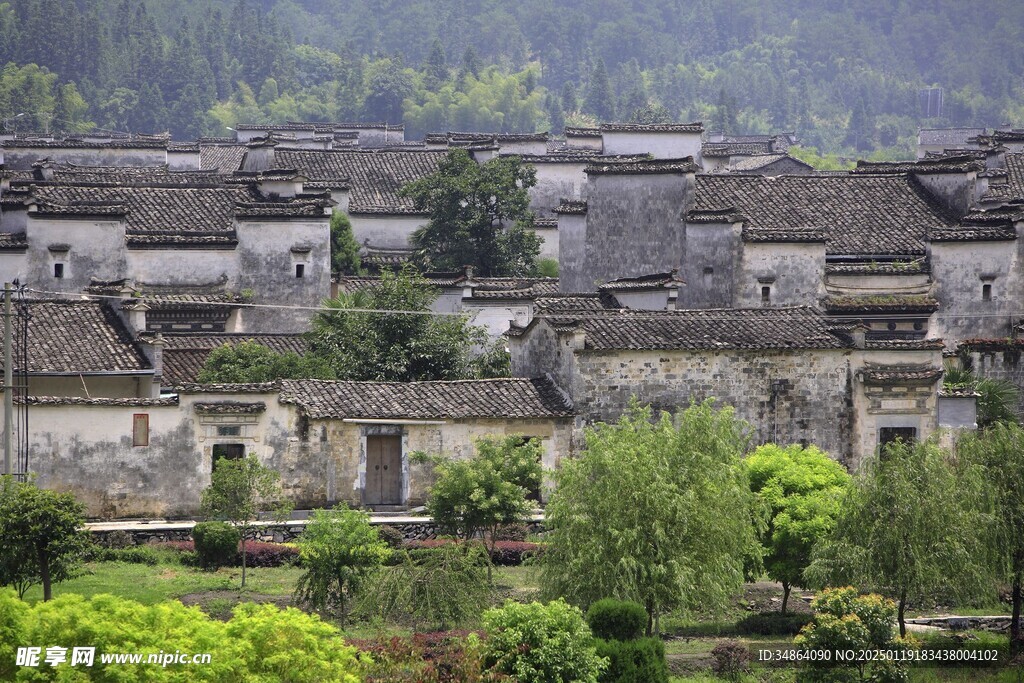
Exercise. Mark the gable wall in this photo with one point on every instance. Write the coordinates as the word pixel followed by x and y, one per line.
pixel 798 270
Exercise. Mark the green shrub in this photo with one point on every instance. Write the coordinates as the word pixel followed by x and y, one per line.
pixel 216 543
pixel 613 619
pixel 132 555
pixel 633 661
pixel 260 642
pixel 538 643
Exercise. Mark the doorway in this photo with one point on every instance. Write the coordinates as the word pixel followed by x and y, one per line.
pixel 229 451
pixel 383 471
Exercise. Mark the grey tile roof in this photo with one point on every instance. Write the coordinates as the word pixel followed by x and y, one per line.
pixel 70 337
pixel 229 407
pixel 572 303
pixel 908 374
pixel 13 241
pixel 696 127
pixel 963 163
pixel 185 354
pixel 1015 175
pixel 571 132
pixel 643 282
pixel 572 207
pixel 893 303
pixel 375 176
pixel 860 215
pixel 121 402
pixel 124 175
pixel 514 288
pixel 798 327
pixel 759 162
pixel 875 268
pixel 222 158
pixel 729 149
pixel 947 136
pixel 509 398
pixel 643 167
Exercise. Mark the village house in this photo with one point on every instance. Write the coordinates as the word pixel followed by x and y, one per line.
pixel 332 442
pixel 791 373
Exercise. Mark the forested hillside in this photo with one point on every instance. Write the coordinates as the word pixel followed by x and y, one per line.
pixel 844 74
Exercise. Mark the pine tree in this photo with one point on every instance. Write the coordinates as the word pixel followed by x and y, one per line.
pixel 436 67
pixel 600 101
pixel 570 100
pixel 471 64
pixel 150 114
pixel 188 114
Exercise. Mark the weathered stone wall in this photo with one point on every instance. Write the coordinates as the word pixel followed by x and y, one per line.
pixel 341 446
pixel 572 262
pixel 268 253
pixel 959 271
pixel 712 254
pixel 998 362
pixel 385 231
pixel 633 227
pixel 794 272
pixel 95 250
pixel 811 401
pixel 22 158
pixel 555 182
pixel 658 145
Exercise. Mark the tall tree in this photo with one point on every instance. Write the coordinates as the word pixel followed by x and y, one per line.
pixel 909 527
pixel 600 99
pixel 798 491
pixel 435 71
pixel 615 519
pixel 479 216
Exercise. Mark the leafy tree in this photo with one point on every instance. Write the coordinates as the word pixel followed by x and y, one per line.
pixel 999 449
pixel 614 519
pixel 339 550
pixel 600 100
pixel 474 497
pixel 479 216
pixel 538 643
pixel 251 362
pixel 344 248
pixel 42 536
pixel 799 490
pixel 411 346
pixel 239 490
pixel 388 84
pixel 909 527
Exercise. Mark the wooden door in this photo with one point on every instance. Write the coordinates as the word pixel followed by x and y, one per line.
pixel 383 470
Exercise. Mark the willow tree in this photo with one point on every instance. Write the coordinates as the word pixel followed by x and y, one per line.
pixel 910 527
pixel 655 511
pixel 1000 451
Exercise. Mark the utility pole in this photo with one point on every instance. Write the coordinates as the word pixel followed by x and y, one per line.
pixel 8 382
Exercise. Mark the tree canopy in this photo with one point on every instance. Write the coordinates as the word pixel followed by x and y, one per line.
pixel 616 516
pixel 479 216
pixel 798 490
pixel 909 527
pixel 410 345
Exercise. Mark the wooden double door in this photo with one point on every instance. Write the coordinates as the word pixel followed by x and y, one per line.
pixel 383 471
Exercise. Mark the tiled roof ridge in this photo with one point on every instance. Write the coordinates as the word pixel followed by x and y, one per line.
pixel 647 166
pixel 694 127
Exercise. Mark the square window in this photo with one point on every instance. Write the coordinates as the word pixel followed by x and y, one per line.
pixel 140 429
pixel 58 270
pixel 300 270
pixel 891 435
pixel 766 295
pixel 986 292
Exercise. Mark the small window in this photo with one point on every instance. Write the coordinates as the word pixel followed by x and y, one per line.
pixel 229 430
pixel 140 429
pixel 986 292
pixel 58 270
pixel 708 270
pixel 766 294
pixel 229 451
pixel 300 269
pixel 891 327
pixel 891 435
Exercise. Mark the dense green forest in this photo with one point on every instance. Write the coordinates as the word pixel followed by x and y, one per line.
pixel 845 75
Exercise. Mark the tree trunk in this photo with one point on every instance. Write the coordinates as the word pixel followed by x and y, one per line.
pixel 901 617
pixel 243 559
pixel 650 618
pixel 786 588
pixel 44 573
pixel 1016 644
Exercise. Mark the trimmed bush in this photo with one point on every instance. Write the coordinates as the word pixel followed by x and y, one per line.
pixel 633 661
pixel 772 624
pixel 613 619
pixel 731 659
pixel 133 555
pixel 538 643
pixel 512 532
pixel 506 553
pixel 269 554
pixel 216 543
